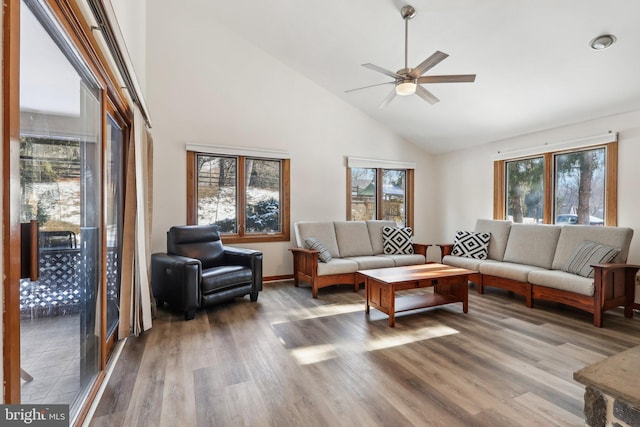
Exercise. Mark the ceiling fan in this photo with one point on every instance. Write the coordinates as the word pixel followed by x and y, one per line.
pixel 407 80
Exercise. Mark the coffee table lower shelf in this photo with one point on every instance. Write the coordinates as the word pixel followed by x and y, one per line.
pixel 416 302
pixel 449 285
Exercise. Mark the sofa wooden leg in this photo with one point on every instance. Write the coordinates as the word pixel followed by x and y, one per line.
pixel 253 296
pixel 314 292
pixel 597 318
pixel 189 315
pixel 480 289
pixel 529 300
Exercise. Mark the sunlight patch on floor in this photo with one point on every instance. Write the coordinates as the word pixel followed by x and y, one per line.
pixel 409 337
pixel 327 310
pixel 314 354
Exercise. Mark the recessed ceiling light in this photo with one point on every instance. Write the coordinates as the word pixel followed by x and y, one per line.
pixel 602 42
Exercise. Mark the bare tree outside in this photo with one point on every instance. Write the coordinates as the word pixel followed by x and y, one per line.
pixel 525 190
pixel 579 187
pixel 218 193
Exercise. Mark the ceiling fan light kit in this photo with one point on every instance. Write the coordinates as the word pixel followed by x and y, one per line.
pixel 405 88
pixel 408 81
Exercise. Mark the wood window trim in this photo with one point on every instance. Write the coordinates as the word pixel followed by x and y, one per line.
pixel 611 183
pixel 409 194
pixel 240 237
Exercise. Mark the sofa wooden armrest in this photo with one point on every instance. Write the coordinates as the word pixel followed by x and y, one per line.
pixel 614 286
pixel 305 263
pixel 445 248
pixel 420 248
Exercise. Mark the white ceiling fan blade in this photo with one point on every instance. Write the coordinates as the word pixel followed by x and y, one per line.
pixel 457 78
pixel 388 99
pixel 367 87
pixel 428 64
pixel 426 95
pixel 381 70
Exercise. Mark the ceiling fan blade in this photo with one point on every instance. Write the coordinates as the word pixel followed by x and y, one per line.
pixel 426 95
pixel 388 99
pixel 428 64
pixel 367 87
pixel 381 70
pixel 458 78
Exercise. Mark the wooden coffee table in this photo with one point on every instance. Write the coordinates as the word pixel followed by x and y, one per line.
pixel 450 285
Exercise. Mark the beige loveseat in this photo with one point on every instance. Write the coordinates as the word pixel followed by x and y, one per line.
pixel 353 246
pixel 528 259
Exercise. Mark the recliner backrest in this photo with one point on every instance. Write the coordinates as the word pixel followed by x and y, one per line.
pixel 196 241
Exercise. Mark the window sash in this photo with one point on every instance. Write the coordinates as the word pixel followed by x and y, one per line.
pixel 610 192
pixel 380 205
pixel 240 233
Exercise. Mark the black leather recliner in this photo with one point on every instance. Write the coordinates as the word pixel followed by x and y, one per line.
pixel 198 271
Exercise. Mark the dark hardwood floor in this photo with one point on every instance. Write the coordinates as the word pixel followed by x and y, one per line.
pixel 290 360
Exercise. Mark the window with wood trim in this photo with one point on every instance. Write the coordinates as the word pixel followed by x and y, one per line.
pixel 577 186
pixel 246 196
pixel 377 193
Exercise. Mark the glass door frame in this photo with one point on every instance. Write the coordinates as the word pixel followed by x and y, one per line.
pixel 79 32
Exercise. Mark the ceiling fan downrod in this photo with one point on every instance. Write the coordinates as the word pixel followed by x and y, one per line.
pixel 407 12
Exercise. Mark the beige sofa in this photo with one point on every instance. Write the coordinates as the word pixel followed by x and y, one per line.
pixel 527 259
pixel 353 246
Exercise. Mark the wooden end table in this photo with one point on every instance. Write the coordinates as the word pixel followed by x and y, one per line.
pixel 450 285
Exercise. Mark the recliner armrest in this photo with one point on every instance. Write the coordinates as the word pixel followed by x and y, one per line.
pixel 176 279
pixel 248 258
pixel 240 256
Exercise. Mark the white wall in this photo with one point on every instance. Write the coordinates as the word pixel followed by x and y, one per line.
pixel 132 21
pixel 467 192
pixel 208 86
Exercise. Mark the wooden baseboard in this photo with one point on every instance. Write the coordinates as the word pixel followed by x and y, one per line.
pixel 277 278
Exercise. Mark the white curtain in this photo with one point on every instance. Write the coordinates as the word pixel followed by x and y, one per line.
pixel 136 299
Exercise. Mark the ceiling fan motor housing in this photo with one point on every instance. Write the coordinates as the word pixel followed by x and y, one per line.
pixel 407 12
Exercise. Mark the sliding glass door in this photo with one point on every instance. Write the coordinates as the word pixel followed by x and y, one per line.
pixel 75 217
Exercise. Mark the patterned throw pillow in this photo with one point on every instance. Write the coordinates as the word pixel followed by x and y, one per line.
pixel 397 241
pixel 586 254
pixel 316 245
pixel 471 245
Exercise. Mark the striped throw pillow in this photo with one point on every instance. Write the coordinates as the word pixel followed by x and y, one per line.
pixel 586 254
pixel 316 245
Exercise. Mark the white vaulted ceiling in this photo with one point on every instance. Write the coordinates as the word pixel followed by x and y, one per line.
pixel 535 69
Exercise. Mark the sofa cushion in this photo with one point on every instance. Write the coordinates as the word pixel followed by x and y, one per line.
pixel 508 270
pixel 337 266
pixel 587 254
pixel 471 245
pixel 499 230
pixel 372 261
pixel 375 233
pixel 532 244
pixel 317 245
pixel 353 238
pixel 397 240
pixel 402 260
pixel 458 261
pixel 573 235
pixel 564 281
pixel 321 230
